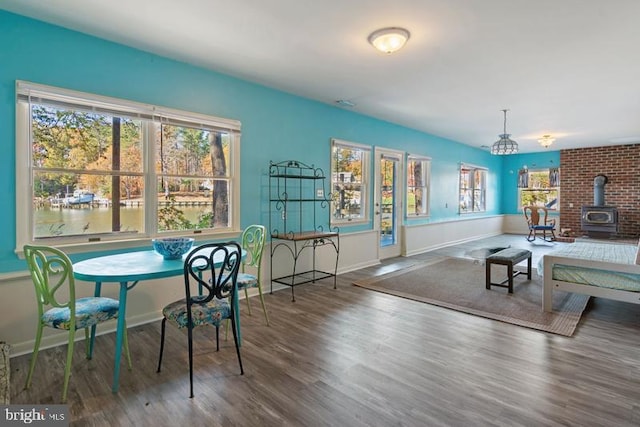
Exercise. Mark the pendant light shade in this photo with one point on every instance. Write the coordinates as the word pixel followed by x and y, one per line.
pixel 504 145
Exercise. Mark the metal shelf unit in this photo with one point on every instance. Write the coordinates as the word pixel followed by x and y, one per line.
pixel 298 201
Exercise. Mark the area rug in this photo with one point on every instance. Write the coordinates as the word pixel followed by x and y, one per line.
pixel 459 284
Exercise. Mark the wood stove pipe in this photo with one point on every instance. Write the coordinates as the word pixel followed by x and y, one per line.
pixel 598 189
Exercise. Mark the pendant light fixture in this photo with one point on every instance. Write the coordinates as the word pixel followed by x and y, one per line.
pixel 546 141
pixel 504 145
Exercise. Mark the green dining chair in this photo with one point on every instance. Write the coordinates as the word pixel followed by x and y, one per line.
pixel 52 274
pixel 253 240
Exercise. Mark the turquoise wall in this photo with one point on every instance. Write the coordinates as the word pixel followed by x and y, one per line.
pixel 275 125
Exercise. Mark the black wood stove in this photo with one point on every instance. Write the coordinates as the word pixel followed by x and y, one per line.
pixel 599 219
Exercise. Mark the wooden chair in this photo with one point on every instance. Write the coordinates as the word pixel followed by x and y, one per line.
pixel 214 303
pixel 52 274
pixel 539 222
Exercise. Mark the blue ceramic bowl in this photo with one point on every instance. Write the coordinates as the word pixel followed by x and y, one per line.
pixel 172 247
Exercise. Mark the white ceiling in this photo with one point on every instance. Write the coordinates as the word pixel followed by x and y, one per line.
pixel 570 68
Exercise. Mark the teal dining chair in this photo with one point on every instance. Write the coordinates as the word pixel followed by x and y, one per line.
pixel 52 275
pixel 212 270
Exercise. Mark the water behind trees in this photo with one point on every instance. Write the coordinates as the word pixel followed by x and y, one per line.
pixel 51 222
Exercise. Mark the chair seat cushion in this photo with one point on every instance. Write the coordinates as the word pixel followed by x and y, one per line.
pixel 246 280
pixel 510 254
pixel 89 312
pixel 213 312
pixel 543 227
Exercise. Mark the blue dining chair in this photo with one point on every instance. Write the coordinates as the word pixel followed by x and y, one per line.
pixel 212 270
pixel 52 275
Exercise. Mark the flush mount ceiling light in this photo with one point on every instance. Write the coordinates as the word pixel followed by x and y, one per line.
pixel 504 145
pixel 546 141
pixel 389 40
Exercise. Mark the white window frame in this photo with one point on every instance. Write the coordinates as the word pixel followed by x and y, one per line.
pixel 555 208
pixel 365 187
pixel 426 172
pixel 473 187
pixel 153 117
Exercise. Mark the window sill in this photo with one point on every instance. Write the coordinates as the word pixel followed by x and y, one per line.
pixel 129 244
pixel 347 222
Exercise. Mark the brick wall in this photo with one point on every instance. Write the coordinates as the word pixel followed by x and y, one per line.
pixel 621 165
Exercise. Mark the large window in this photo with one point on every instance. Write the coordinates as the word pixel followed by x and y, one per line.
pixel 418 182
pixel 349 186
pixel 473 189
pixel 536 188
pixel 98 169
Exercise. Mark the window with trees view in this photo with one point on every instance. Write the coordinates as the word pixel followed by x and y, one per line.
pixel 103 168
pixel 349 166
pixel 535 189
pixel 473 189
pixel 418 182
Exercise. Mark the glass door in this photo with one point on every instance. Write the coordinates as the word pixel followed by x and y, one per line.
pixel 388 201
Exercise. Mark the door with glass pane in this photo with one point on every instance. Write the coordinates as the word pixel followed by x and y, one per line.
pixel 388 201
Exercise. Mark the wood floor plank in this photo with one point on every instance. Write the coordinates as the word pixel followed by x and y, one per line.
pixel 354 357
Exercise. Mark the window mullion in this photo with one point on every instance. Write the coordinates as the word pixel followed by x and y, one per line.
pixel 150 130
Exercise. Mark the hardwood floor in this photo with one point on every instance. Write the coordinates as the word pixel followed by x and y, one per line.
pixel 354 357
